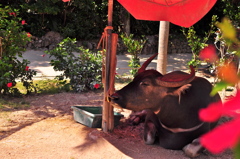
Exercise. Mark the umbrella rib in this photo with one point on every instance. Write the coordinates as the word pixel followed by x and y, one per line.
pixel 167 2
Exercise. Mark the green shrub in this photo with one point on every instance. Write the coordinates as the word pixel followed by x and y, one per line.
pixel 76 19
pixel 134 48
pixel 84 70
pixel 197 42
pixel 13 41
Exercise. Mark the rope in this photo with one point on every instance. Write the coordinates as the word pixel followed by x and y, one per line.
pixel 103 42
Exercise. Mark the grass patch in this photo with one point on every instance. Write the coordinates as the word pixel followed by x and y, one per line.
pixel 46 86
pixel 6 105
pixel 53 86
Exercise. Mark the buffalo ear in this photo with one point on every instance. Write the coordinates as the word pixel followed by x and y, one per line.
pixel 180 90
pixel 177 78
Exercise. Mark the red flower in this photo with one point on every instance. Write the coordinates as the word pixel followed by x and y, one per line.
pixel 65 0
pixel 43 55
pixel 12 13
pixel 23 22
pixel 209 54
pixel 215 110
pixel 212 113
pixel 27 68
pixel 223 137
pixel 97 86
pixel 9 85
pixel 226 135
pixel 29 35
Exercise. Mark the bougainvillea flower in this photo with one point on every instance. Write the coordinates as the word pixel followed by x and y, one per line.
pixel 224 136
pixel 215 110
pixel 29 35
pixel 228 73
pixel 23 22
pixel 27 68
pixel 65 0
pixel 209 54
pixel 212 113
pixel 12 13
pixel 9 85
pixel 97 86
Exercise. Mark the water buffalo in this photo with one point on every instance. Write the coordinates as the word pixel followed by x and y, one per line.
pixel 169 104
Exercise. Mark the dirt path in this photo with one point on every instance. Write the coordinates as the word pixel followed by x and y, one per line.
pixel 55 138
pixel 47 130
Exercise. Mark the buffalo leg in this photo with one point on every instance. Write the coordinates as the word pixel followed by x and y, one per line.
pixel 151 127
pixel 151 124
pixel 138 117
pixel 193 149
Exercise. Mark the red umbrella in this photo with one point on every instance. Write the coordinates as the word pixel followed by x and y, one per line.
pixel 180 12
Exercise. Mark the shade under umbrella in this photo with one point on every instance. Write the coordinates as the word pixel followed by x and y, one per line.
pixel 180 12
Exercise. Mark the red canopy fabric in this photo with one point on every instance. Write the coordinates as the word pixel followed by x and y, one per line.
pixel 180 12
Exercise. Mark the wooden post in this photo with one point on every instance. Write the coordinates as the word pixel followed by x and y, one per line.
pixel 113 63
pixel 162 47
pixel 107 112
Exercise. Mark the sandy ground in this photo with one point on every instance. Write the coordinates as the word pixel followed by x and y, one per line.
pixel 47 130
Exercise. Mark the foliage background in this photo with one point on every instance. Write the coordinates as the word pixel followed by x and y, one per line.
pixel 84 19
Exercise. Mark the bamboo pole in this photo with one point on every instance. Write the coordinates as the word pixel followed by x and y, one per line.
pixel 113 63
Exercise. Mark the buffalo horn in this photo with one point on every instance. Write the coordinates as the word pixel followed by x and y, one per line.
pixel 146 63
pixel 177 79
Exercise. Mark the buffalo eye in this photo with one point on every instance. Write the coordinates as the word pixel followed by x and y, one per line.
pixel 144 83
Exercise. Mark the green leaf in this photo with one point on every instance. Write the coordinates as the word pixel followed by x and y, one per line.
pixel 237 151
pixel 227 29
pixel 218 87
pixel 7 74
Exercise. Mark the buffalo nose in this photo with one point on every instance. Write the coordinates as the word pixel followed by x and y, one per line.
pixel 114 96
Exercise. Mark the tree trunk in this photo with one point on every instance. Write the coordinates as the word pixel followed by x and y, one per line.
pixel 162 47
pixel 125 20
pixel 127 25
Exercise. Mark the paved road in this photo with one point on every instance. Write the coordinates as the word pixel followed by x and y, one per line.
pixel 41 63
